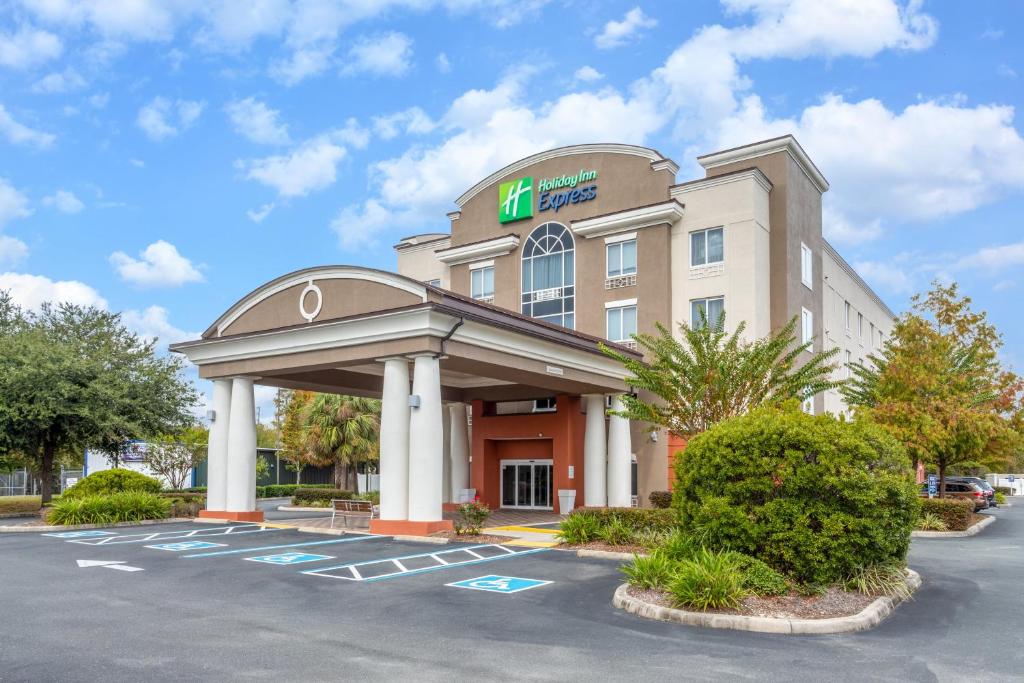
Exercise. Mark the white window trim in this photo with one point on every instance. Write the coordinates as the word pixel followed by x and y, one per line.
pixel 552 409
pixel 805 251
pixel 481 264
pixel 804 315
pixel 621 303
pixel 624 237
pixel 690 247
pixel 607 262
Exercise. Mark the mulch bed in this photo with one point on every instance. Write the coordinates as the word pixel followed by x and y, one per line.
pixel 833 603
pixel 477 538
pixel 598 545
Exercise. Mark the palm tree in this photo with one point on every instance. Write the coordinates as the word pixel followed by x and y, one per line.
pixel 710 375
pixel 344 430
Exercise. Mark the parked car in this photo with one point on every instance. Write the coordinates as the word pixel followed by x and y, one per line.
pixel 990 492
pixel 963 489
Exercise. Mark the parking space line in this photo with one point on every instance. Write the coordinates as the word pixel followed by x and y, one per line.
pixel 286 545
pixel 354 573
pixel 163 535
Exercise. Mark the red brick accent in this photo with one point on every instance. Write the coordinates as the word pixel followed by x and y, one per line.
pixel 675 445
pixel 405 527
pixel 252 516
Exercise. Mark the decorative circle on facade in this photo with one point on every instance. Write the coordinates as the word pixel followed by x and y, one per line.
pixel 310 316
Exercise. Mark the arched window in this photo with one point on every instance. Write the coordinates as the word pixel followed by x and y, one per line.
pixel 549 291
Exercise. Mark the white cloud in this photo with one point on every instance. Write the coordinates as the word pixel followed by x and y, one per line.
pixel 13 204
pixel 258 215
pixel 1006 71
pixel 443 65
pixel 310 167
pixel 59 82
pixel 137 163
pixel 162 118
pixel 616 33
pixel 587 74
pixel 19 134
pixel 930 160
pixel 28 47
pixel 64 201
pixel 302 64
pixel 1003 285
pixel 152 324
pixel 889 276
pixel 135 20
pixel 990 259
pixel 257 122
pixel 32 291
pixel 12 251
pixel 159 265
pixel 99 100
pixel 388 54
pixel 413 120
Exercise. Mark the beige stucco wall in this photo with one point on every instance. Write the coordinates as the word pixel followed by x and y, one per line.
pixel 740 205
pixel 420 263
pixel 840 286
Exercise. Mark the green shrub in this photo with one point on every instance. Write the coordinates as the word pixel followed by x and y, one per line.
pixel 654 571
pixel 1000 498
pixel 196 489
pixel 126 506
pixel 578 529
pixel 956 513
pixel 185 503
pixel 679 546
pixel 1005 490
pixel 811 496
pixel 112 481
pixel 471 518
pixel 660 499
pixel 372 496
pixel 711 580
pixel 650 538
pixel 13 505
pixel 311 496
pixel 636 519
pixel 880 579
pixel 616 532
pixel 929 521
pixel 759 578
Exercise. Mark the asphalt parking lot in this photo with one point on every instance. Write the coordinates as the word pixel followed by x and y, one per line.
pixel 190 601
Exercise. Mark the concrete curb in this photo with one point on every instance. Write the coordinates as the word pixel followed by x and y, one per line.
pixel 436 540
pixel 605 554
pixel 76 527
pixel 16 515
pixel 296 508
pixel 867 618
pixel 971 531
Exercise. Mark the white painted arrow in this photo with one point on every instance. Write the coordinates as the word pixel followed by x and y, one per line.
pixel 109 564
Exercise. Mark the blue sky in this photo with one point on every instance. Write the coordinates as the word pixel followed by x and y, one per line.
pixel 164 158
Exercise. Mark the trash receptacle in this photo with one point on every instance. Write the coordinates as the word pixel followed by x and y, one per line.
pixel 566 500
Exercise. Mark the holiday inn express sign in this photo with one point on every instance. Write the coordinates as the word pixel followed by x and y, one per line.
pixel 516 197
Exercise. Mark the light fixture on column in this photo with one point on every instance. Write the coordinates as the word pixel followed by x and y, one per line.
pixel 414 400
pixel 211 415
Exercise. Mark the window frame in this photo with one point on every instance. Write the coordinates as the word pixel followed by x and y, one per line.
pixel 806 266
pixel 705 232
pixel 807 327
pixel 531 252
pixel 621 308
pixel 846 313
pixel 618 246
pixel 549 409
pixel 482 270
pixel 706 301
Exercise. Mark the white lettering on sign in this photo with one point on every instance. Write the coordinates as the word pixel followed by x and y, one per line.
pixel 552 370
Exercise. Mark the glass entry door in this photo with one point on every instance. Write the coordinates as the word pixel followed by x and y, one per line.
pixel 526 484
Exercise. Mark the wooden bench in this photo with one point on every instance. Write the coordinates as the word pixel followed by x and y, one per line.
pixel 351 508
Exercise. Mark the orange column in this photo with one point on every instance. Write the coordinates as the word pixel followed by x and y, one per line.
pixel 675 445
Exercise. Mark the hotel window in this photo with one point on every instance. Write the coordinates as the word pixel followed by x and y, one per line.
pixel 549 291
pixel 621 323
pixel 621 258
pixel 545 405
pixel 881 340
pixel 436 282
pixel 860 328
pixel 807 326
pixel 847 315
pixel 481 283
pixel 871 334
pixel 707 246
pixel 706 309
pixel 849 364
pixel 808 403
pixel 806 266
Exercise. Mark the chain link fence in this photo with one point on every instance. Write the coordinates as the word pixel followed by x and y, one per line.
pixel 20 483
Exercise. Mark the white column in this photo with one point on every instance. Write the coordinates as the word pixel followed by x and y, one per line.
pixel 394 440
pixel 426 442
pixel 241 469
pixel 447 495
pixel 217 450
pixel 459 450
pixel 619 459
pixel 595 454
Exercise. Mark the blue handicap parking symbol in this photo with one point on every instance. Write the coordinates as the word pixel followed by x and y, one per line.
pixel 289 558
pixel 80 534
pixel 185 545
pixel 498 584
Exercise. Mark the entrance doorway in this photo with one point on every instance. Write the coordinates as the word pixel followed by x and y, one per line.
pixel 526 484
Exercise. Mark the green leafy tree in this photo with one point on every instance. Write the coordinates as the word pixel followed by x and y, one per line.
pixel 346 431
pixel 708 375
pixel 295 450
pixel 73 377
pixel 937 386
pixel 174 456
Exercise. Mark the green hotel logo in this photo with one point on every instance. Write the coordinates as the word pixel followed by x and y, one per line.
pixel 515 200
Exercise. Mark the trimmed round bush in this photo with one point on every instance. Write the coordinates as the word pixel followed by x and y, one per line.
pixel 811 496
pixel 113 481
pixel 660 499
pixel 955 513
